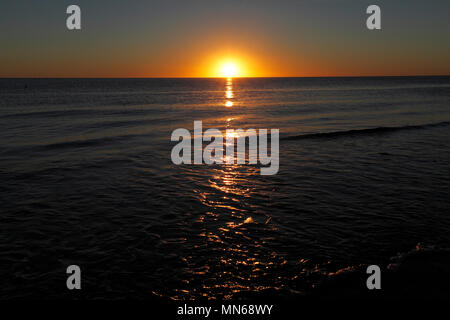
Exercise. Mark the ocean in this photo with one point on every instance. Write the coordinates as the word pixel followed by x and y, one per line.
pixel 87 179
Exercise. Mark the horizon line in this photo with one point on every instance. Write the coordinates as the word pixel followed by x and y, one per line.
pixel 265 77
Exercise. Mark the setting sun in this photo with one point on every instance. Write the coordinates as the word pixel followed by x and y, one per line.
pixel 229 70
pixel 234 65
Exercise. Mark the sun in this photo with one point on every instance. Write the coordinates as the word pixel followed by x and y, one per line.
pixel 229 70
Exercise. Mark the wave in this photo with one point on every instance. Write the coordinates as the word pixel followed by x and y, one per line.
pixel 73 144
pixel 88 142
pixel 354 132
pixel 420 273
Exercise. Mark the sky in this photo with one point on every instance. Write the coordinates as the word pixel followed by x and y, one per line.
pixel 193 38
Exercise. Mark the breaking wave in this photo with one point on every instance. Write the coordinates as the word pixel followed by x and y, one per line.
pixel 354 132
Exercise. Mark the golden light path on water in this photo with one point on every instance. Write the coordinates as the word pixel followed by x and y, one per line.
pixel 233 257
pixel 229 93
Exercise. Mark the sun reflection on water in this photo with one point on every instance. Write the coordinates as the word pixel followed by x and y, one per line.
pixel 229 93
pixel 230 256
pixel 232 259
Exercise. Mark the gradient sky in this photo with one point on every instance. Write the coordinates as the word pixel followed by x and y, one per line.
pixel 189 38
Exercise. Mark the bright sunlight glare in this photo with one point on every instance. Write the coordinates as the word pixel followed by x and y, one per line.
pixel 229 70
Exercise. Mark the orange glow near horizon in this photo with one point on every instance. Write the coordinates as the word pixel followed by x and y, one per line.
pixel 209 59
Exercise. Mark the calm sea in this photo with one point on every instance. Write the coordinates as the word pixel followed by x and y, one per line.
pixel 87 179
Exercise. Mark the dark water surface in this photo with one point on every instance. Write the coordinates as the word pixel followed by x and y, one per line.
pixel 87 179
